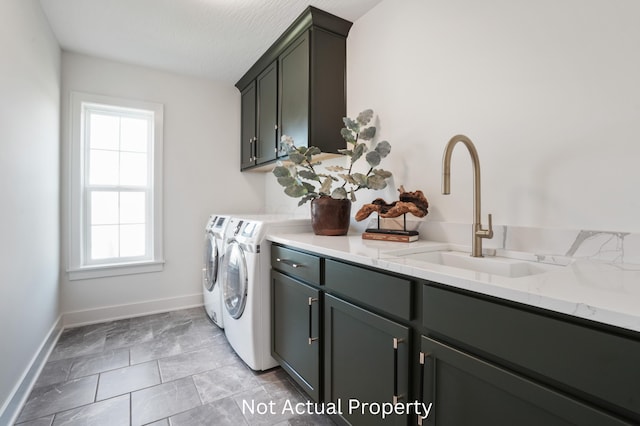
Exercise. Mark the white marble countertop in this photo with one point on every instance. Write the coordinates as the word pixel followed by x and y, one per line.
pixel 599 291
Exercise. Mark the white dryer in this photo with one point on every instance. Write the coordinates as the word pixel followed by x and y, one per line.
pixel 214 247
pixel 246 289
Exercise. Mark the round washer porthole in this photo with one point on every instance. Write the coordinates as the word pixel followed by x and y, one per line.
pixel 236 281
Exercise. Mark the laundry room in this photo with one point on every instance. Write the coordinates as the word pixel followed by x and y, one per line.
pixel 160 262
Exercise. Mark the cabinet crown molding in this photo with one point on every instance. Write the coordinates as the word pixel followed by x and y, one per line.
pixel 312 17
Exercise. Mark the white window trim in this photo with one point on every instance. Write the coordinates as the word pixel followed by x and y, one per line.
pixel 76 269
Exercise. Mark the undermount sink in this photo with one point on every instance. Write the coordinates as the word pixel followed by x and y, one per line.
pixel 503 266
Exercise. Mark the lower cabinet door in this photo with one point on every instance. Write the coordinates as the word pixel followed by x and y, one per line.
pixel 366 364
pixel 296 326
pixel 464 390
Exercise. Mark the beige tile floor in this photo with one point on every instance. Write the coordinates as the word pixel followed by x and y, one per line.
pixel 174 368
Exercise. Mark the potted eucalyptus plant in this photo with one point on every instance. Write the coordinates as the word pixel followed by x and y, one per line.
pixel 332 189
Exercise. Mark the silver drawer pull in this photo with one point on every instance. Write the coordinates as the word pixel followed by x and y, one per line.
pixel 396 395
pixel 287 262
pixel 311 339
pixel 423 359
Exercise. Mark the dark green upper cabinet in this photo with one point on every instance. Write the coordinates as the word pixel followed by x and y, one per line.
pixel 248 126
pixel 267 84
pixel 294 92
pixel 309 64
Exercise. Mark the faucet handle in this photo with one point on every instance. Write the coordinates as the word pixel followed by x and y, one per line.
pixel 486 233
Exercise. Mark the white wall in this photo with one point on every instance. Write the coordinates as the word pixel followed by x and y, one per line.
pixel 547 90
pixel 29 188
pixel 201 176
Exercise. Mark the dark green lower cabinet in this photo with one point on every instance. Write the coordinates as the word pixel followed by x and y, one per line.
pixel 466 390
pixel 366 363
pixel 296 329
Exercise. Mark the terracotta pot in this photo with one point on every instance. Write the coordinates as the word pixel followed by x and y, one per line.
pixel 330 216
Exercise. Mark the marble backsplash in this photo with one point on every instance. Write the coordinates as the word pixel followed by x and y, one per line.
pixel 606 246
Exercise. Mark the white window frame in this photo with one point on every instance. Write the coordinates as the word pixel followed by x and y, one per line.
pixel 80 266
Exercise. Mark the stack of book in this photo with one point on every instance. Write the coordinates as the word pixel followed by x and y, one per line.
pixel 398 235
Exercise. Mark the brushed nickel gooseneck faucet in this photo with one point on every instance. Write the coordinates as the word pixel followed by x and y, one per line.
pixel 478 232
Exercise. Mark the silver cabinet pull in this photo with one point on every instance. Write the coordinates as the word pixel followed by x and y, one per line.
pixel 311 339
pixel 423 358
pixel 255 148
pixel 288 262
pixel 396 342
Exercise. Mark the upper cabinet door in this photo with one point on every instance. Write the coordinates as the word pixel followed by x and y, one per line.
pixel 294 92
pixel 307 98
pixel 267 114
pixel 248 126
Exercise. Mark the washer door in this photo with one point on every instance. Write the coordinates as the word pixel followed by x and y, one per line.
pixel 211 262
pixel 236 282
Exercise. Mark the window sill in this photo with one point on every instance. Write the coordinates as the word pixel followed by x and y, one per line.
pixel 101 271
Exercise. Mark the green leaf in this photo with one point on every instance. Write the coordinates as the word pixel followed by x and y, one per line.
pixel 310 188
pixel 365 116
pixel 383 148
pixel 308 174
pixel 368 133
pixel 306 198
pixel 348 135
pixel 360 179
pixel 373 158
pixel 325 188
pixel 382 173
pixel 295 191
pixel 286 181
pixel 296 157
pixel 287 142
pixel 376 182
pixel 351 124
pixel 358 150
pixel 339 193
pixel 313 150
pixel 348 179
pixel 346 152
pixel 336 168
pixel 352 194
pixel 332 177
pixel 281 171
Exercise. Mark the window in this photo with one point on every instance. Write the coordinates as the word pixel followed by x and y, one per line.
pixel 116 186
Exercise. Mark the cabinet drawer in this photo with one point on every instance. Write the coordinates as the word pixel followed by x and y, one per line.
pixel 303 266
pixel 378 290
pixel 599 366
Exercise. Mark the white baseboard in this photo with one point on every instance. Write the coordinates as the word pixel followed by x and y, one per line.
pixel 13 405
pixel 116 312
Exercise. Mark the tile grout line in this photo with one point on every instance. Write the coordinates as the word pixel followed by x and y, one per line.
pixel 200 345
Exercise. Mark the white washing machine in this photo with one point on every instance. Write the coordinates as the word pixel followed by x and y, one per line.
pixel 214 247
pixel 246 289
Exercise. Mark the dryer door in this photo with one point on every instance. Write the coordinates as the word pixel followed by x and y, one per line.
pixel 236 281
pixel 211 262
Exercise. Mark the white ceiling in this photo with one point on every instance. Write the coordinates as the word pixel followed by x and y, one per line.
pixel 216 39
